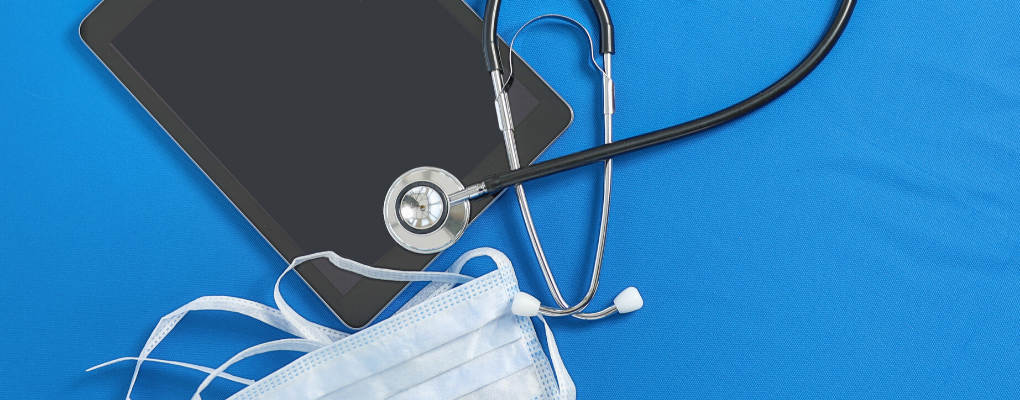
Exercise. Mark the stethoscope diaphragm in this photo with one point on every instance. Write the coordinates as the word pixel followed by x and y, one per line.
pixel 418 213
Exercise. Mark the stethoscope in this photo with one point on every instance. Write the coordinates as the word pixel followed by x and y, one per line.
pixel 427 209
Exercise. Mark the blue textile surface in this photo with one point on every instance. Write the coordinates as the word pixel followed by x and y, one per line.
pixel 856 238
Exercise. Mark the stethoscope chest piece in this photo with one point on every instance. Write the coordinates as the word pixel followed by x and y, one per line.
pixel 418 214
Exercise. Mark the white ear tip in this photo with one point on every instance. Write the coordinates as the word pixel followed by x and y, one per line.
pixel 525 305
pixel 628 300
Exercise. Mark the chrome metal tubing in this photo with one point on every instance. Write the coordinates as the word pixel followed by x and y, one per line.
pixel 608 94
pixel 522 199
pixel 609 101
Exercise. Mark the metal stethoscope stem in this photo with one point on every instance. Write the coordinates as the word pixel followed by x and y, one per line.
pixel 506 125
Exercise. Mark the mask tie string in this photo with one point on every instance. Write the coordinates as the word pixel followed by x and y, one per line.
pixel 261 312
pixel 307 326
pixel 436 288
pixel 284 318
pixel 224 375
pixel 301 345
pixel 448 279
pixel 567 389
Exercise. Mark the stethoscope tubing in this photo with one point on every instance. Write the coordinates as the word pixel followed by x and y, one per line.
pixel 491 20
pixel 516 176
pixel 494 66
pixel 496 182
pixel 606 74
pixel 565 308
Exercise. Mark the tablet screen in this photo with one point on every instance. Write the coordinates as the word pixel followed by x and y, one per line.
pixel 316 107
pixel 304 112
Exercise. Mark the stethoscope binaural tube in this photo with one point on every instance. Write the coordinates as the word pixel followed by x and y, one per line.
pixel 496 182
pixel 491 19
pixel 525 304
pixel 528 305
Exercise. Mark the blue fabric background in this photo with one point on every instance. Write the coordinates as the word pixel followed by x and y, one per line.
pixel 856 238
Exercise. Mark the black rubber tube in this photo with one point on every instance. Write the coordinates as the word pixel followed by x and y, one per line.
pixel 496 182
pixel 491 19
pixel 492 62
pixel 607 37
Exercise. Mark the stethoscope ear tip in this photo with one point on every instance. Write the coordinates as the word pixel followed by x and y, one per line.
pixel 525 305
pixel 629 300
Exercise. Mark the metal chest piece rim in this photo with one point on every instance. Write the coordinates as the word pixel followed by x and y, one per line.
pixel 418 214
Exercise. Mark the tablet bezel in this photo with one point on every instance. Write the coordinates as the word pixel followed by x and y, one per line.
pixel 534 135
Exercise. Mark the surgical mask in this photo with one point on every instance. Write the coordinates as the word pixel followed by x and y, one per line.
pixel 447 342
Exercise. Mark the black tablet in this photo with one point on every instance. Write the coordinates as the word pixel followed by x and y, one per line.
pixel 303 112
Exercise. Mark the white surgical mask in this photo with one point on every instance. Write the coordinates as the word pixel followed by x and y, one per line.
pixel 459 343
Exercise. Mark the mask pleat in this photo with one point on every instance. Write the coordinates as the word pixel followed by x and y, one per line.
pixel 390 343
pixel 461 342
pixel 471 376
pixel 444 358
pixel 510 387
